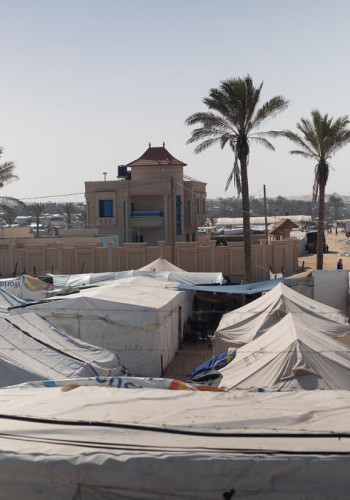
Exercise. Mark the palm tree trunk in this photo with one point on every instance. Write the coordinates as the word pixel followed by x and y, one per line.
pixel 246 219
pixel 320 225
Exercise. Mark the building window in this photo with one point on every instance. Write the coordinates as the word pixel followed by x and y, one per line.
pixel 178 214
pixel 106 208
pixel 197 204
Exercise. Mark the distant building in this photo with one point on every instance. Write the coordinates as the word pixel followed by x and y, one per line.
pixel 282 229
pixel 150 200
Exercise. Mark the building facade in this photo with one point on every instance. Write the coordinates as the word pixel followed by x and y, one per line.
pixel 151 200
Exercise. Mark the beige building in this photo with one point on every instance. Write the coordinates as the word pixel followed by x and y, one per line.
pixel 151 200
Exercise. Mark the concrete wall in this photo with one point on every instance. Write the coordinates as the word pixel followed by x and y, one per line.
pixel 77 255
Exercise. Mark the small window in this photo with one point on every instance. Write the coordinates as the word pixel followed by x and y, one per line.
pixel 106 208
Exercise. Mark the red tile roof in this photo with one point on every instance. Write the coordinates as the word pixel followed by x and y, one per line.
pixel 156 156
pixel 283 224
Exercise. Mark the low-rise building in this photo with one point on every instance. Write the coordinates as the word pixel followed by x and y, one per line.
pixel 151 200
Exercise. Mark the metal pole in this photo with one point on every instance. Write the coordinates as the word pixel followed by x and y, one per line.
pixel 172 220
pixel 265 213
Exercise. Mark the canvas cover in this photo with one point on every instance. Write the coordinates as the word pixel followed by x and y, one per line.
pixel 81 280
pixel 161 264
pixel 140 319
pixel 240 326
pixel 97 443
pixel 31 349
pixel 291 355
pixel 331 287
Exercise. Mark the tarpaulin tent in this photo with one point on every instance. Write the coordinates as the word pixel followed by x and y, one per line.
pixel 291 355
pixel 140 319
pixel 159 270
pixel 31 349
pixel 106 443
pixel 240 326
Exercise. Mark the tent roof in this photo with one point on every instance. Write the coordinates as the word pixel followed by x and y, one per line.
pixel 160 264
pixel 158 441
pixel 243 325
pixel 248 289
pixel 31 349
pixel 291 355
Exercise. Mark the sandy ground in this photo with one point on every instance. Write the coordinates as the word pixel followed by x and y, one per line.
pixel 331 258
pixel 191 355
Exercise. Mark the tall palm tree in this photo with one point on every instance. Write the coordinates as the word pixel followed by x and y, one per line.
pixel 36 210
pixel 320 138
pixel 234 119
pixel 9 214
pixel 7 175
pixel 68 210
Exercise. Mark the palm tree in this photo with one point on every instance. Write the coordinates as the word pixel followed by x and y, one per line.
pixel 36 210
pixel 68 210
pixel 335 204
pixel 320 138
pixel 7 175
pixel 9 214
pixel 234 119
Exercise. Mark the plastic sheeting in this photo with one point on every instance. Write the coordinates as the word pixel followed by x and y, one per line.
pixel 291 355
pixel 247 323
pixel 140 319
pixel 248 289
pixel 122 382
pixel 30 349
pixel 81 280
pixel 97 443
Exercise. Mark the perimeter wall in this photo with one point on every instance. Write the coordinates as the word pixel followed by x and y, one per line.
pixel 87 255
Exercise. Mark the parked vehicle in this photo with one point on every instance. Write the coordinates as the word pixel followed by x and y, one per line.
pixel 311 241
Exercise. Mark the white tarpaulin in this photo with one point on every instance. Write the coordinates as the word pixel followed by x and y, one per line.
pixel 101 444
pixel 31 349
pixel 26 287
pixel 331 287
pixel 291 355
pixel 240 326
pixel 161 264
pixel 81 280
pixel 140 319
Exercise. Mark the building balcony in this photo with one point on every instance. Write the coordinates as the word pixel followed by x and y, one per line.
pixel 146 219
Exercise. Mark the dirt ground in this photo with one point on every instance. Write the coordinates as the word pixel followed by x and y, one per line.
pixel 331 258
pixel 191 355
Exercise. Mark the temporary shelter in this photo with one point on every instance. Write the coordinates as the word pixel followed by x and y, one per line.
pixel 31 349
pixel 140 319
pixel 243 325
pixel 107 443
pixel 159 269
pixel 291 355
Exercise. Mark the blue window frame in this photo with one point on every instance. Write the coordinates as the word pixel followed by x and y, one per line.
pixel 178 215
pixel 106 208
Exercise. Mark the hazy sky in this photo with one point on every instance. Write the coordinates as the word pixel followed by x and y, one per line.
pixel 87 84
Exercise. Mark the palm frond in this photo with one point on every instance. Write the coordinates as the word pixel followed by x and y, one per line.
pixel 269 110
pixel 263 142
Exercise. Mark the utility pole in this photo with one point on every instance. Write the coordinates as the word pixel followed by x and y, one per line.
pixel 172 220
pixel 265 213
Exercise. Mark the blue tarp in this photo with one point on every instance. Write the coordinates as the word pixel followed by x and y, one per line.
pixel 215 363
pixel 248 289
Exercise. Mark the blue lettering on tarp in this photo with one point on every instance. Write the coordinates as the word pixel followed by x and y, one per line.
pixel 129 384
pixel 14 284
pixel 100 380
pixel 49 383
